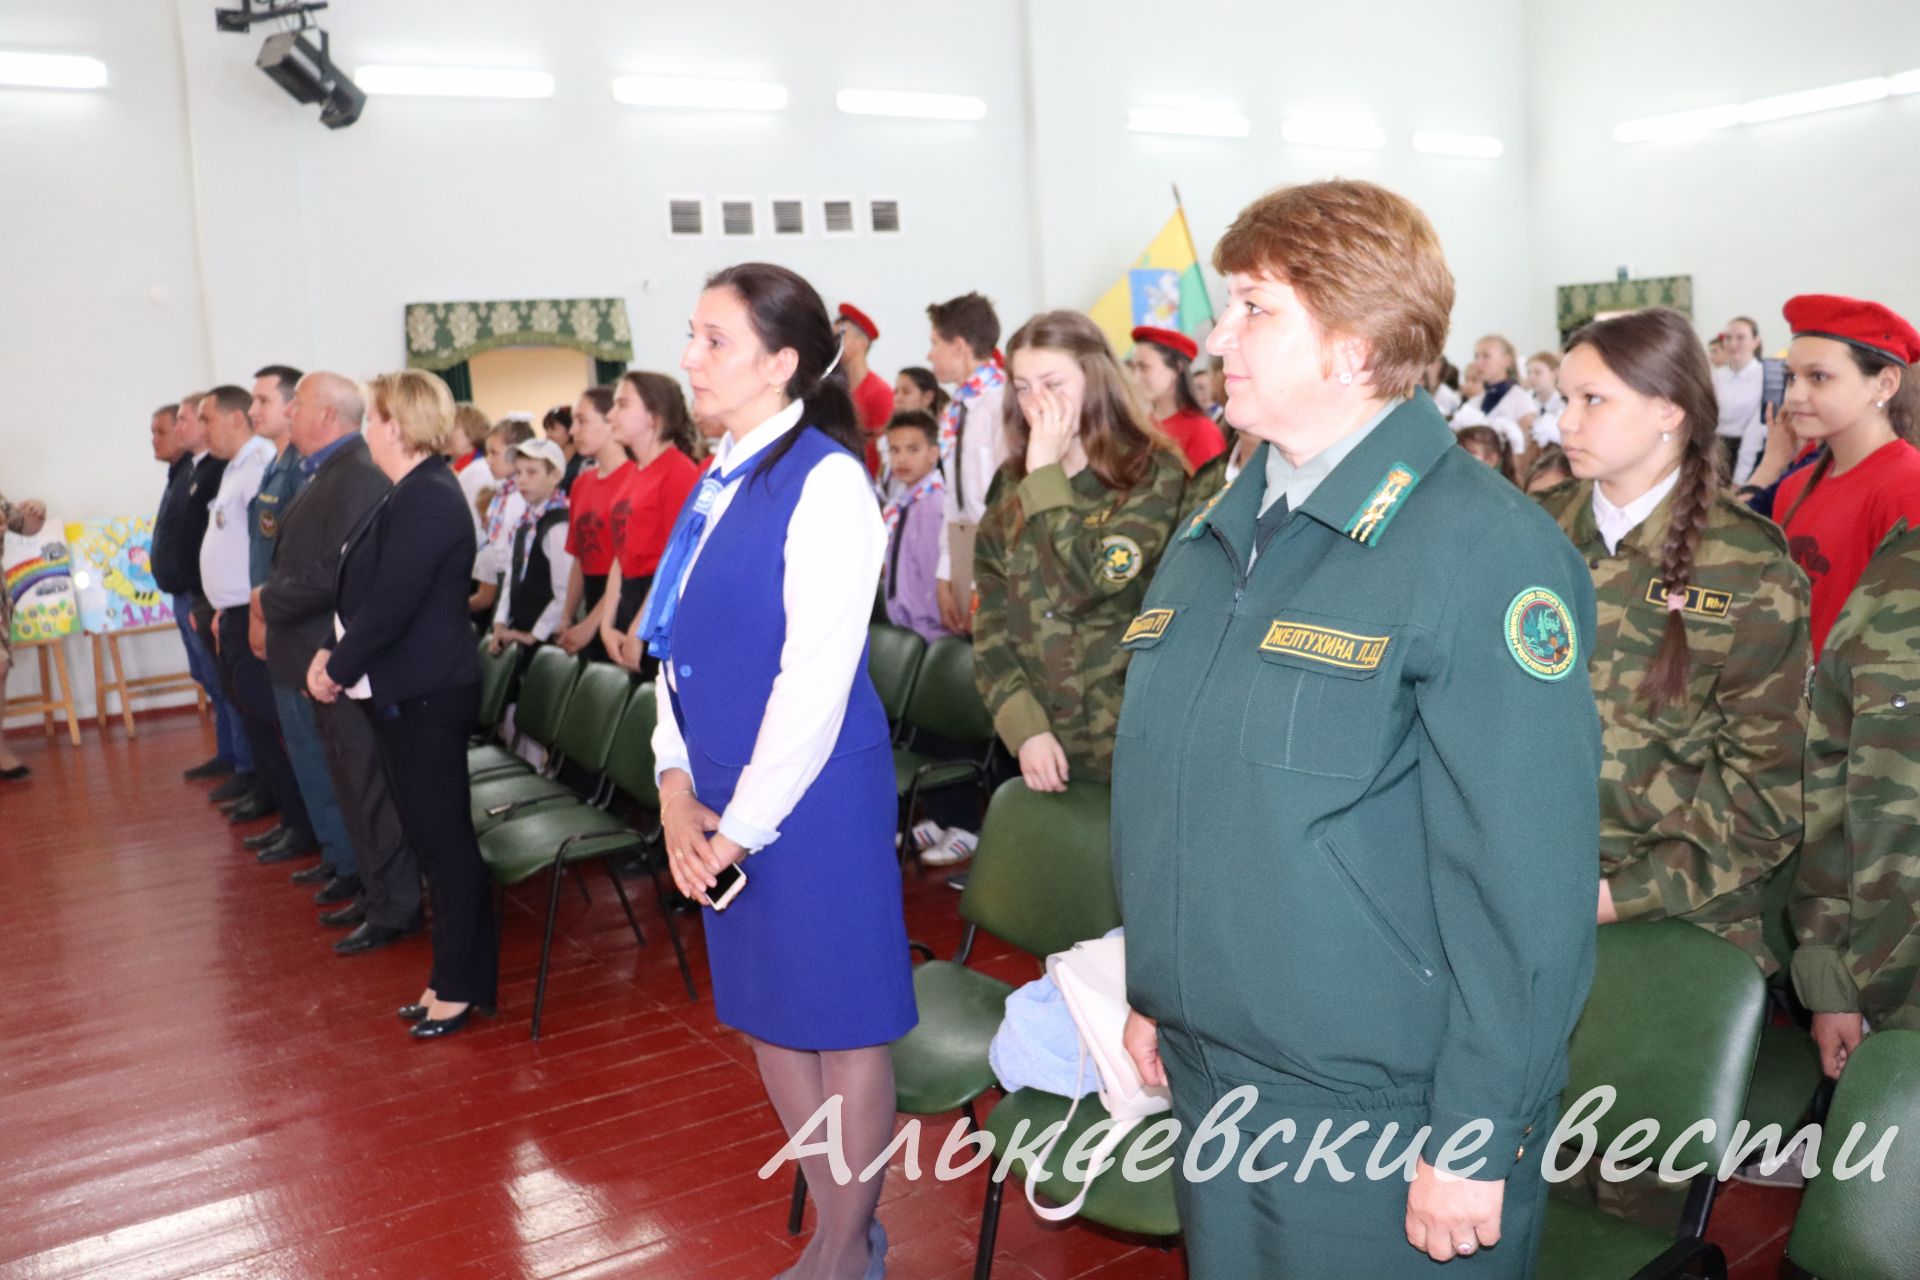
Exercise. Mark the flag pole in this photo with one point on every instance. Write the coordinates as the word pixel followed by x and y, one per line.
pixel 1187 230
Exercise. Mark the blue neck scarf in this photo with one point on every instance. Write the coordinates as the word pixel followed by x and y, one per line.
pixel 656 624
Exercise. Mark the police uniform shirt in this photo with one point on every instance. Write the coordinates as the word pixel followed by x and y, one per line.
pixel 226 553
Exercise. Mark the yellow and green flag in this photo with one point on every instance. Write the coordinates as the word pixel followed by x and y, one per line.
pixel 1163 288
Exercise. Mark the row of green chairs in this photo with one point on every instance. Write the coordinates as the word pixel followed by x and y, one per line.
pixel 593 721
pixel 928 692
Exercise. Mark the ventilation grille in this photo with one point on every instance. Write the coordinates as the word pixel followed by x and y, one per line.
pixel 789 217
pixel 736 217
pixel 686 216
pixel 837 217
pixel 886 217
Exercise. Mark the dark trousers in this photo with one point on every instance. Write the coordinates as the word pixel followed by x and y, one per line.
pixel 195 617
pixel 389 872
pixel 423 748
pixel 250 689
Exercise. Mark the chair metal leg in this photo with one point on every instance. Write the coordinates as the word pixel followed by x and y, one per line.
pixel 989 1229
pixel 546 947
pixel 586 894
pixel 796 1215
pixel 673 929
pixel 907 852
pixel 626 906
pixel 973 1121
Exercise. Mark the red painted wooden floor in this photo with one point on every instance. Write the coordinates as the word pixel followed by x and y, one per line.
pixel 192 1084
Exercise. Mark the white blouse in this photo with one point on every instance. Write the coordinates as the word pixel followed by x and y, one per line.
pixel 1505 418
pixel 1546 427
pixel 835 545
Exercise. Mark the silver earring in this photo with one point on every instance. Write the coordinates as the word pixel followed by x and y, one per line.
pixel 1879 404
pixel 1346 379
pixel 1665 436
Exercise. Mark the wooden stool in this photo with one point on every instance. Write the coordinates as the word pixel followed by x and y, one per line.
pixel 45 704
pixel 107 682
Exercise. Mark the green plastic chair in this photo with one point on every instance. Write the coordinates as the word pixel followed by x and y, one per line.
pixel 496 690
pixel 544 691
pixel 1859 1229
pixel 946 703
pixel 893 660
pixel 1042 879
pixel 1672 1025
pixel 557 837
pixel 585 741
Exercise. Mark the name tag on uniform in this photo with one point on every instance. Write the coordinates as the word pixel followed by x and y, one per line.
pixel 1708 604
pixel 1323 644
pixel 1150 625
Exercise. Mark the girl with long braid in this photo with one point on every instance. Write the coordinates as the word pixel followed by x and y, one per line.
pixel 1701 643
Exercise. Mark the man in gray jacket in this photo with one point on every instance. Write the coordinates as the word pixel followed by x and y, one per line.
pixel 298 603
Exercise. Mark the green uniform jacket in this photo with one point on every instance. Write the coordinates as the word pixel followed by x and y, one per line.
pixel 1700 801
pixel 1056 597
pixel 1855 901
pixel 1354 793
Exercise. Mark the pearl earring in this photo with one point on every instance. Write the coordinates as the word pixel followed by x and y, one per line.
pixel 1665 436
pixel 1346 379
pixel 1879 404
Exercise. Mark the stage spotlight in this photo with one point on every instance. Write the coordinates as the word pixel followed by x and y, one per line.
pixel 299 60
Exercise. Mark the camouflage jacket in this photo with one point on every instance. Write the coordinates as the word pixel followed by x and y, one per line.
pixel 1700 801
pixel 1856 899
pixel 1056 597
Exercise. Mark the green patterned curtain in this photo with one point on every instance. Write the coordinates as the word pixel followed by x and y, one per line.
pixel 459 380
pixel 441 335
pixel 607 372
pixel 1579 303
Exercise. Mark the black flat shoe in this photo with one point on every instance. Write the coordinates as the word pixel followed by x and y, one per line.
pixel 371 937
pixel 346 917
pixel 433 1029
pixel 318 873
pixel 298 844
pixel 213 768
pixel 235 787
pixel 14 774
pixel 252 810
pixel 265 838
pixel 413 1013
pixel 338 889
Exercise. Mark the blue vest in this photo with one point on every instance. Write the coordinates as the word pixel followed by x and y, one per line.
pixel 732 625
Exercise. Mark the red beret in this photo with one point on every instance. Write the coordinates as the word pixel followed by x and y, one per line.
pixel 1855 322
pixel 850 312
pixel 1169 339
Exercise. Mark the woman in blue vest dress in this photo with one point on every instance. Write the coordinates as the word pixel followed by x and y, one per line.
pixel 772 746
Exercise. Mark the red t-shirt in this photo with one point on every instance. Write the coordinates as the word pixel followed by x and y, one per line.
pixel 659 491
pixel 1197 435
pixel 873 403
pixel 598 508
pixel 1838 528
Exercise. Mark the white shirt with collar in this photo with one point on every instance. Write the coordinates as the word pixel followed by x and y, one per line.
pixel 1546 427
pixel 559 568
pixel 835 545
pixel 969 468
pixel 1740 392
pixel 1615 523
pixel 225 577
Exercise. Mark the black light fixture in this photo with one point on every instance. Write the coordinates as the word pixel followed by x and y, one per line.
pixel 293 60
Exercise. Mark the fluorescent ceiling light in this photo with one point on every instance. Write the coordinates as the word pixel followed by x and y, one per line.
pixel 1905 82
pixel 1200 123
pixel 1811 100
pixel 916 106
pixel 51 71
pixel 1458 144
pixel 1351 133
pixel 1681 124
pixel 716 95
pixel 455 82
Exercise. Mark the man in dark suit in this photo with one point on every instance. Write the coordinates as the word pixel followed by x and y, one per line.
pixel 298 604
pixel 193 477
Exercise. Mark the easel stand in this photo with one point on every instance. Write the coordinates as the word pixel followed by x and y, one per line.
pixel 112 679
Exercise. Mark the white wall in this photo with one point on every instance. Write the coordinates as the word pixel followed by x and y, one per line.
pixel 1756 213
pixel 1104 192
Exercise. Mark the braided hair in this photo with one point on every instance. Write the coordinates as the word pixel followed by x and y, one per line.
pixel 1657 353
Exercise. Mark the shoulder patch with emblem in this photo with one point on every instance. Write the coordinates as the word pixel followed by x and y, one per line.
pixel 1540 635
pixel 1324 644
pixel 1120 558
pixel 1199 521
pixel 1150 625
pixel 1708 604
pixel 1378 511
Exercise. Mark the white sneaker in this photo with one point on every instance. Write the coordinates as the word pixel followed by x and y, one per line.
pixel 926 834
pixel 956 846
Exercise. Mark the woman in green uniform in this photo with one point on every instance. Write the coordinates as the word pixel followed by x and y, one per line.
pixel 1701 647
pixel 1355 800
pixel 1081 511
